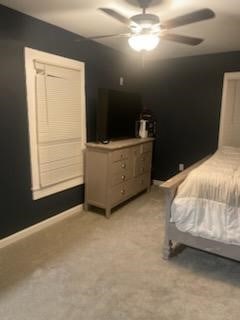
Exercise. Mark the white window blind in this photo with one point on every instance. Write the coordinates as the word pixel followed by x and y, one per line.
pixel 59 124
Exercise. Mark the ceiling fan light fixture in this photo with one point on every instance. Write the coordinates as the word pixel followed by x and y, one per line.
pixel 141 42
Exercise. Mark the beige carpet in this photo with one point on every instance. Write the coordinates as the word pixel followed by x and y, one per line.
pixel 93 268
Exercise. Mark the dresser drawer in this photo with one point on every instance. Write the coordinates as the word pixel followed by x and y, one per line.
pixel 143 148
pixel 142 182
pixel 121 177
pixel 146 147
pixel 122 191
pixel 120 154
pixel 142 164
pixel 137 151
pixel 121 167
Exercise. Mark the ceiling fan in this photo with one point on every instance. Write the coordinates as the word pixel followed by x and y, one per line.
pixel 146 30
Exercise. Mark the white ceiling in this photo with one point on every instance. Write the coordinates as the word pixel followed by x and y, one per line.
pixel 82 17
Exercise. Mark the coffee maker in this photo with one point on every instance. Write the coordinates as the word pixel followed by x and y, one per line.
pixel 147 125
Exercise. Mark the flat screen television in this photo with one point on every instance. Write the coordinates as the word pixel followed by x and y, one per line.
pixel 117 112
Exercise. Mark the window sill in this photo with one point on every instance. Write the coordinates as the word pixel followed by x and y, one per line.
pixel 47 191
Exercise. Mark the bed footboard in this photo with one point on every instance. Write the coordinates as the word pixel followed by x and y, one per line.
pixel 170 187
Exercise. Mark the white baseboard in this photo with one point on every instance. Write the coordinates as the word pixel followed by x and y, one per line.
pixel 40 226
pixel 157 182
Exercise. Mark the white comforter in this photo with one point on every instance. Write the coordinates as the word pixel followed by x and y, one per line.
pixel 207 203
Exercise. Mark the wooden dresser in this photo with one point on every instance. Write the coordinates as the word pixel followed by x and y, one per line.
pixel 116 171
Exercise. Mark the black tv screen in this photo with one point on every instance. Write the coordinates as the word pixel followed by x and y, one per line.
pixel 117 114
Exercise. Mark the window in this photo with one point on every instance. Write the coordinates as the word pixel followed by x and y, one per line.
pixel 230 112
pixel 57 124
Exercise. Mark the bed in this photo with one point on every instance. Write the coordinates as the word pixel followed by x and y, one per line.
pixel 203 201
pixel 203 205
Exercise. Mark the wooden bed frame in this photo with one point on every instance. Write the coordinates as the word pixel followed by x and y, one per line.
pixel 172 234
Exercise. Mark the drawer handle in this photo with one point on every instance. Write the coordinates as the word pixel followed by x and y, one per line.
pixel 123 165
pixel 142 158
pixel 122 192
pixel 122 155
pixel 123 177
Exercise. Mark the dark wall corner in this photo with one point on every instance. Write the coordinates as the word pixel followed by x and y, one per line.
pixel 185 95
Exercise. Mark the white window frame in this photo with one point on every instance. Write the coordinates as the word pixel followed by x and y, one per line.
pixel 224 107
pixel 32 55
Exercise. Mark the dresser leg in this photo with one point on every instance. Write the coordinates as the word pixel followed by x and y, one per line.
pixel 85 206
pixel 108 213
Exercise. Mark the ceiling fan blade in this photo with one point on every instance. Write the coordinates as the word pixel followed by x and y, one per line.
pixel 114 35
pixel 196 16
pixel 117 16
pixel 191 41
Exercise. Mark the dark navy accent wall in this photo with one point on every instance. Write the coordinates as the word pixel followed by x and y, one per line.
pixel 185 95
pixel 103 68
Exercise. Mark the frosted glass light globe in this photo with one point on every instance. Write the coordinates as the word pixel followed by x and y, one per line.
pixel 141 42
